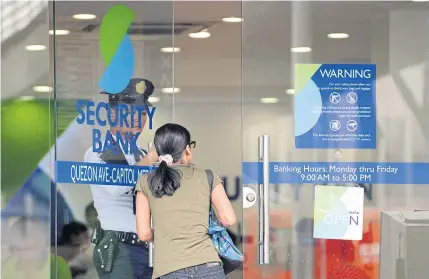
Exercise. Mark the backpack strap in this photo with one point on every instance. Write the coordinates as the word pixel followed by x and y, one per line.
pixel 209 174
pixel 210 178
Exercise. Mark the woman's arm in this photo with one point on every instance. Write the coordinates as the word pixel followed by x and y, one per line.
pixel 144 230
pixel 223 206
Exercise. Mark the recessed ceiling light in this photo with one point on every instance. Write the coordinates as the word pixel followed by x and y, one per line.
pixel 269 100
pixel 154 99
pixel 232 19
pixel 200 35
pixel 170 49
pixel 300 49
pixel 42 88
pixel 338 35
pixel 27 98
pixel 35 47
pixel 59 32
pixel 290 91
pixel 84 16
pixel 170 90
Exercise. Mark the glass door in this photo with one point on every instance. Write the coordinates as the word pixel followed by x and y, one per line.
pixel 335 168
pixel 107 55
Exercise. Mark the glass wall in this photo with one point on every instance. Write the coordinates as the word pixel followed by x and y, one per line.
pixel 86 68
pixel 26 137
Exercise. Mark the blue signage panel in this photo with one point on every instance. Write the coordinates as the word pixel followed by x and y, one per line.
pixel 338 173
pixel 98 174
pixel 280 172
pixel 335 106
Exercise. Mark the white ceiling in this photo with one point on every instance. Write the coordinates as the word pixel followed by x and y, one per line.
pixel 213 66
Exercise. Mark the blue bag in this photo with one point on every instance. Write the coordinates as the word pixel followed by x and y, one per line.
pixel 231 257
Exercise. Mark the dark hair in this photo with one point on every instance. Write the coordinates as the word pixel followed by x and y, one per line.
pixel 169 139
pixel 69 230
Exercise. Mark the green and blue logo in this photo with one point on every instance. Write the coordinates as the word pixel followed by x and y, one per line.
pixel 116 49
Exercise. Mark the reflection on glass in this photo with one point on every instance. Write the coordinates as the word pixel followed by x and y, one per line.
pixel 25 139
pixel 17 15
pixel 29 256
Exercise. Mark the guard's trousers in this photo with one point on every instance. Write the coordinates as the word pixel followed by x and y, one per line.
pixel 131 262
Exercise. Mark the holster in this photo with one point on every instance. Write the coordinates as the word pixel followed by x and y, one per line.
pixel 105 252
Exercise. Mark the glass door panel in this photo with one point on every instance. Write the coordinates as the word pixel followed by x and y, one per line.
pixel 366 133
pixel 88 62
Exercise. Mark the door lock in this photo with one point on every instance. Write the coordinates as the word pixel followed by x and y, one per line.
pixel 249 197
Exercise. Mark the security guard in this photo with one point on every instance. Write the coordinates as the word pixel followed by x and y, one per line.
pixel 118 253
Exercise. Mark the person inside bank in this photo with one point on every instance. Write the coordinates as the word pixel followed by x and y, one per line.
pixel 117 253
pixel 177 198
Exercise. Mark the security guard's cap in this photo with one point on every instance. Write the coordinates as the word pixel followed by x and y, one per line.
pixel 137 92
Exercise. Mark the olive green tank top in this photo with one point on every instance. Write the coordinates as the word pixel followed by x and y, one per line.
pixel 180 222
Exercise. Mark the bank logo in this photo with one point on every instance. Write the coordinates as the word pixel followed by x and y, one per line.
pixel 116 49
pixel 338 212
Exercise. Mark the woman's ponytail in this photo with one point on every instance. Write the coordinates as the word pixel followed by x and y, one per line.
pixel 165 180
pixel 170 142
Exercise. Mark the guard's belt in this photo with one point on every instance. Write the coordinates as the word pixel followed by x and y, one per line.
pixel 127 237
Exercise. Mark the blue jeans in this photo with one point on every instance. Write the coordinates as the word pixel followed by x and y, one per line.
pixel 206 271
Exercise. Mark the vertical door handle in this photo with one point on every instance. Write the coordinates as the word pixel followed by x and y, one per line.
pixel 151 248
pixel 264 201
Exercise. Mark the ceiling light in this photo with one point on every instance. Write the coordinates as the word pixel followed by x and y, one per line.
pixel 338 35
pixel 42 88
pixel 232 19
pixel 269 100
pixel 300 49
pixel 26 98
pixel 59 32
pixel 153 99
pixel 419 0
pixel 84 16
pixel 290 91
pixel 200 35
pixel 170 90
pixel 35 47
pixel 170 49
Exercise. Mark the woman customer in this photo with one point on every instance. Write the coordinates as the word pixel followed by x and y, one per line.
pixel 177 196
